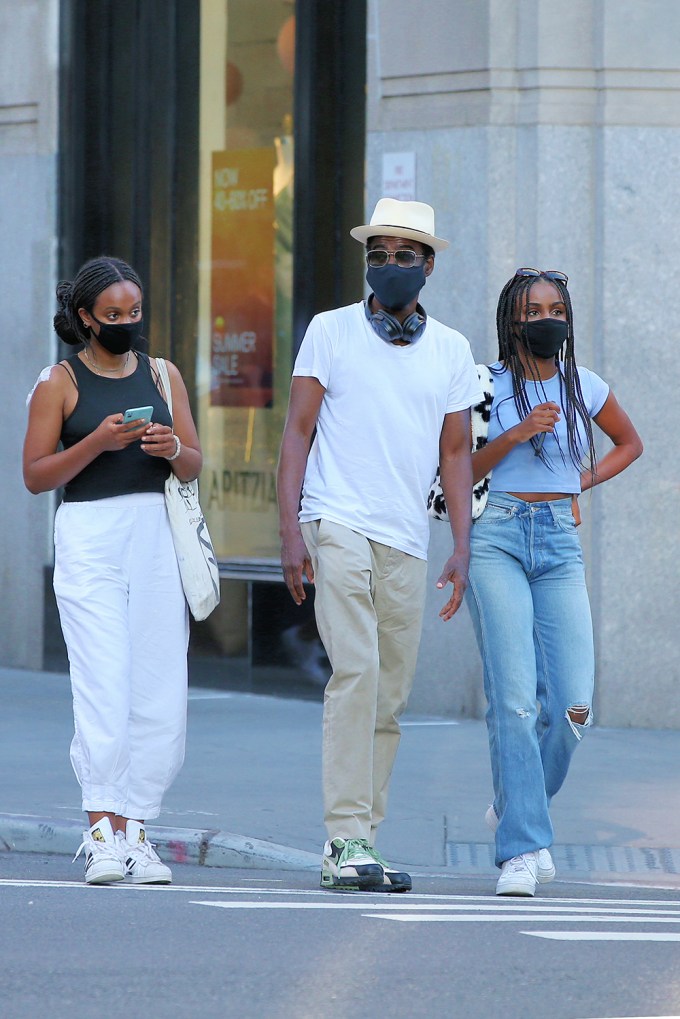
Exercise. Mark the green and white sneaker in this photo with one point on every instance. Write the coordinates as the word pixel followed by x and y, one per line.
pixel 393 880
pixel 348 865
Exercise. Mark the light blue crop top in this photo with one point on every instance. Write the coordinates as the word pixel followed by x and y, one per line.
pixel 521 470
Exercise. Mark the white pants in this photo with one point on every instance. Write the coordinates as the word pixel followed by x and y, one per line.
pixel 126 627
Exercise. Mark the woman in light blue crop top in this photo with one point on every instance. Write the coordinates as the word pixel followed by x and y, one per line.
pixel 527 593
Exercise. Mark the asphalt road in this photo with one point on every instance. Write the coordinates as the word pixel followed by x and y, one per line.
pixel 270 945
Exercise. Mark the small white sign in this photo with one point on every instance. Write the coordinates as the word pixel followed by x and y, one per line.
pixel 399 176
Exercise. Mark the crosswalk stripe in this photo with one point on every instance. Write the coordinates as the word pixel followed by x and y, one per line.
pixel 413 900
pixel 509 918
pixel 605 936
pixel 407 912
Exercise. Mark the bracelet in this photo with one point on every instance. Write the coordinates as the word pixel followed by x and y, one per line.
pixel 178 449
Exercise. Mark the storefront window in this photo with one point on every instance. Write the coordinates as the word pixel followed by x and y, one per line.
pixel 245 270
pixel 258 639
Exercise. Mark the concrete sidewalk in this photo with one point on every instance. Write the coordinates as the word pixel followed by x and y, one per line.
pixel 249 794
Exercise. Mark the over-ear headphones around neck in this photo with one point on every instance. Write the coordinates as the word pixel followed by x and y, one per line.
pixel 389 328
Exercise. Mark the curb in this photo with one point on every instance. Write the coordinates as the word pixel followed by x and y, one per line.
pixel 28 833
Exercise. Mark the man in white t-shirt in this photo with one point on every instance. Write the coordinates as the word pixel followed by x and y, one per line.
pixel 388 390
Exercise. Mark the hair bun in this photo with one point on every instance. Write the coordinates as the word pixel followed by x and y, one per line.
pixel 65 324
pixel 64 293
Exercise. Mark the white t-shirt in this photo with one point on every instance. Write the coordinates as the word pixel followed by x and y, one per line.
pixel 377 441
pixel 520 470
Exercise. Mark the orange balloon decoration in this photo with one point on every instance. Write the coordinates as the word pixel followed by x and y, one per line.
pixel 234 83
pixel 285 44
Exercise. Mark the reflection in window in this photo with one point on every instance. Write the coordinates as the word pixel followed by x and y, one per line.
pixel 246 267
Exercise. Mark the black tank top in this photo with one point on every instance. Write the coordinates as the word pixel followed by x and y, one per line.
pixel 124 471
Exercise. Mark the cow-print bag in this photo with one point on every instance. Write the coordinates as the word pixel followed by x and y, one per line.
pixel 479 420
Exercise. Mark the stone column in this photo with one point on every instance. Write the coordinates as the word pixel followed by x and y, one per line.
pixel 28 175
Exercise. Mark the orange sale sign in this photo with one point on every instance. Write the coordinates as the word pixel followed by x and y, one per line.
pixel 242 282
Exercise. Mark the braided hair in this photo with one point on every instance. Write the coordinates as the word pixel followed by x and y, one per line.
pixel 82 292
pixel 512 312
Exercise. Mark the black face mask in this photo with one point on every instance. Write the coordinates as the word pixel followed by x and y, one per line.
pixel 395 287
pixel 118 338
pixel 544 336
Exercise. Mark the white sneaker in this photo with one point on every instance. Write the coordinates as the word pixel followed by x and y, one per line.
pixel 519 875
pixel 103 861
pixel 546 867
pixel 143 866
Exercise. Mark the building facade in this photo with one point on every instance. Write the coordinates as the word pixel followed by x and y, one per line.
pixel 226 151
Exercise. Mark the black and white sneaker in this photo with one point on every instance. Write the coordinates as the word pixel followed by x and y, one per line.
pixel 103 861
pixel 143 866
pixel 348 865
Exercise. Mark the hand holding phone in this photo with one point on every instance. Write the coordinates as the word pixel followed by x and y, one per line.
pixel 137 416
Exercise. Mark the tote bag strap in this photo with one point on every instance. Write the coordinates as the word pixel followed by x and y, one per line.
pixel 165 379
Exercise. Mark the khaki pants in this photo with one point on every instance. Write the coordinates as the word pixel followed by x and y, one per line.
pixel 369 602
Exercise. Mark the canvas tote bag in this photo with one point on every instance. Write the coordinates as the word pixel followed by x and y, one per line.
pixel 194 549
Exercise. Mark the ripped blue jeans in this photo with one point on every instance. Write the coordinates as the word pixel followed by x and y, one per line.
pixel 530 609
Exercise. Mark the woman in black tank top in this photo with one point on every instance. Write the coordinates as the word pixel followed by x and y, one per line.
pixel 121 604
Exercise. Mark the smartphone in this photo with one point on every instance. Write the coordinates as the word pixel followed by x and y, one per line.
pixel 137 416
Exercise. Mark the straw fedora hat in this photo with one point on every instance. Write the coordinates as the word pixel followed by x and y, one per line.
pixel 391 218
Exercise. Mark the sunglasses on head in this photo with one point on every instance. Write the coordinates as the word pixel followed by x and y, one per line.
pixel 549 274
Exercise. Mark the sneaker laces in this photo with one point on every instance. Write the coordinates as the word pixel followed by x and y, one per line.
pixel 80 849
pixel 102 849
pixel 354 848
pixel 145 848
pixel 519 865
pixel 378 857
